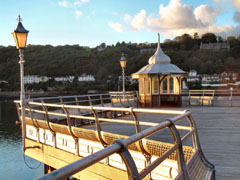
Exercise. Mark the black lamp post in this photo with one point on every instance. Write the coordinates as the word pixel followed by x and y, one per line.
pixel 123 62
pixel 20 36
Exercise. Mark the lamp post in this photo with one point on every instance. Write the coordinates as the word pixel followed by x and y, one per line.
pixel 123 62
pixel 20 37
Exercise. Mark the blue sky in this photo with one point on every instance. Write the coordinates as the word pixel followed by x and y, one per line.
pixel 91 22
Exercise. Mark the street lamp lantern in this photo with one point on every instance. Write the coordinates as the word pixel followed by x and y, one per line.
pixel 20 38
pixel 20 35
pixel 123 63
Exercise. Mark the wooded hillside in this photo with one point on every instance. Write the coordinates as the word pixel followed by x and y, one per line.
pixel 75 60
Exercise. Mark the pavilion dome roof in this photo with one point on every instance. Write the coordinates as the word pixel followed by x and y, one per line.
pixel 159 56
pixel 160 64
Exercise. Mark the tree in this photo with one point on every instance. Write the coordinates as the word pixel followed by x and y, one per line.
pixel 233 41
pixel 102 45
pixel 231 38
pixel 238 38
pixel 209 38
pixel 235 51
pixel 220 39
pixel 196 36
pixel 186 41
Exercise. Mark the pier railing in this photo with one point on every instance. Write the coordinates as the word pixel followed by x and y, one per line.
pixel 214 97
pixel 44 117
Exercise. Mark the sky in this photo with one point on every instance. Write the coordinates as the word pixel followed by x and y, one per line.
pixel 92 22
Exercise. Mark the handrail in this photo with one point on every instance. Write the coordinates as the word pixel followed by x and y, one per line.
pixel 213 97
pixel 120 146
pixel 139 110
pixel 116 148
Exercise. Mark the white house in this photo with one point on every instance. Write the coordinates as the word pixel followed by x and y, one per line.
pixel 64 79
pixel 85 77
pixel 30 79
pixel 193 76
pixel 210 78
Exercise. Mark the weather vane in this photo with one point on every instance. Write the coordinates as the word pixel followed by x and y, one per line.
pixel 19 19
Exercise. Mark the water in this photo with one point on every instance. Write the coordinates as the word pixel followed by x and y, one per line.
pixel 12 165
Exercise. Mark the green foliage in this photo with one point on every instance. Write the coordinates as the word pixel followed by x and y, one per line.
pixel 75 60
pixel 195 85
pixel 209 38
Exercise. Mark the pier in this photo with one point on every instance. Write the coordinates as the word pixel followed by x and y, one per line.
pixel 128 142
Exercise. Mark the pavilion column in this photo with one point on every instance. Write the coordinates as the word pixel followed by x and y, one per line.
pixel 159 92
pixel 179 91
pixel 151 91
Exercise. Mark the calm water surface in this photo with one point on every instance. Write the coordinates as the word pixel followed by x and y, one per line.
pixel 12 165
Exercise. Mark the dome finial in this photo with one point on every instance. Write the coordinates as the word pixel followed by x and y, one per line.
pixel 159 56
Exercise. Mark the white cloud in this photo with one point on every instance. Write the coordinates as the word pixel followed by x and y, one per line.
pixel 176 18
pixel 206 14
pixel 138 21
pixel 237 4
pixel 236 17
pixel 219 1
pixel 79 2
pixel 115 13
pixel 176 15
pixel 64 3
pixel 127 18
pixel 93 13
pixel 116 26
pixel 78 14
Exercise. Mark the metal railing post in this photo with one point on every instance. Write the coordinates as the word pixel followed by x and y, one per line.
pixel 70 129
pixel 98 128
pixel 181 160
pixel 194 138
pixel 128 160
pixel 48 125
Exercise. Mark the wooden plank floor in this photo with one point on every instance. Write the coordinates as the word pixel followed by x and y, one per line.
pixel 219 133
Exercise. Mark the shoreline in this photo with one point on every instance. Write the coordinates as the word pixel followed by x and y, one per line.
pixel 13 95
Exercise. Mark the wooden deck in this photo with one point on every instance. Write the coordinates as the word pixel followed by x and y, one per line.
pixel 218 129
pixel 219 133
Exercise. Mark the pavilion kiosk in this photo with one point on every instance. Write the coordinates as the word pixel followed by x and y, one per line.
pixel 159 81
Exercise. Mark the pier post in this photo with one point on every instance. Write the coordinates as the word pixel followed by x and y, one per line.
pixel 20 37
pixel 22 96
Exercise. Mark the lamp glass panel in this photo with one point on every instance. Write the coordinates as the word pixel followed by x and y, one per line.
pixel 15 39
pixel 22 39
pixel 123 64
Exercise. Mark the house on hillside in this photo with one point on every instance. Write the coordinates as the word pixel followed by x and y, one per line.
pixel 147 50
pixel 215 78
pixel 85 77
pixel 30 79
pixel 64 79
pixel 215 46
pixel 193 76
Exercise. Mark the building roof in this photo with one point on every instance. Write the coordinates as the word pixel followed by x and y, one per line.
pixel 159 57
pixel 159 63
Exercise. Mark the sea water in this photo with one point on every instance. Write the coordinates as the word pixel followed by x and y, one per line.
pixel 12 164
